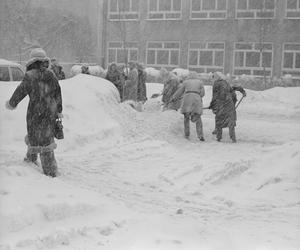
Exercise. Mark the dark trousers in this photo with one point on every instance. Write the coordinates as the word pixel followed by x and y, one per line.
pixel 195 118
pixel 48 162
pixel 231 133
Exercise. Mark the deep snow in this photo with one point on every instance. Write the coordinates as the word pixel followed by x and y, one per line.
pixel 129 180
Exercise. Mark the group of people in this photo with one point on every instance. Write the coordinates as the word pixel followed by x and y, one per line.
pixel 45 107
pixel 187 95
pixel 131 82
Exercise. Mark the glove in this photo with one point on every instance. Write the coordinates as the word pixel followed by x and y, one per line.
pixel 60 115
pixel 8 106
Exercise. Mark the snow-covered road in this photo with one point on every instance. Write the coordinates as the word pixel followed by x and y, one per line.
pixel 136 183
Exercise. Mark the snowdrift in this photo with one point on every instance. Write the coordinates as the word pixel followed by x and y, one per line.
pixel 188 195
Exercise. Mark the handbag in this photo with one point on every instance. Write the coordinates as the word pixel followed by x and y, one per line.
pixel 58 129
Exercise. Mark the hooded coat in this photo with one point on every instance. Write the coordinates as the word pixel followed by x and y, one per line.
pixel 114 76
pixel 170 87
pixel 193 91
pixel 131 86
pixel 222 104
pixel 45 102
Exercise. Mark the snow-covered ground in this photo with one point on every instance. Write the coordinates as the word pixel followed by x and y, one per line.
pixel 130 181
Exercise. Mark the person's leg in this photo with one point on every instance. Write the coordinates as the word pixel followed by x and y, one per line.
pixel 199 128
pixel 232 133
pixel 49 164
pixel 219 133
pixel 186 125
pixel 30 157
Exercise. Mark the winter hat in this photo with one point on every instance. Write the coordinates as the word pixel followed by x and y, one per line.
pixel 219 75
pixel 140 66
pixel 37 55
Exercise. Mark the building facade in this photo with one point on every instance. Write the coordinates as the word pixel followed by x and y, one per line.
pixel 253 37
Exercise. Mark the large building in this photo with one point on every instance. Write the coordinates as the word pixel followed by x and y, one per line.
pixel 253 37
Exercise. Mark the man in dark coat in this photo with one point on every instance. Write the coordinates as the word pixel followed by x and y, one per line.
pixel 113 75
pixel 131 84
pixel 141 90
pixel 45 105
pixel 223 105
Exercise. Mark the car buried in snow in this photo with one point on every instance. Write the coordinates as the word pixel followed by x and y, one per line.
pixel 10 71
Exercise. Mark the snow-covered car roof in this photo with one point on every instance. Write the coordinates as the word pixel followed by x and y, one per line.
pixel 9 63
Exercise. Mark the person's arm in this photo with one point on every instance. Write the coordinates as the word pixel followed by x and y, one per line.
pixel 179 92
pixel 240 89
pixel 214 96
pixel 57 97
pixel 19 94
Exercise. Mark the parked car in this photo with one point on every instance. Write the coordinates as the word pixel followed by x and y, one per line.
pixel 10 71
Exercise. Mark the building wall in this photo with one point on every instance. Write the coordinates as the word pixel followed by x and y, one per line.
pixel 276 31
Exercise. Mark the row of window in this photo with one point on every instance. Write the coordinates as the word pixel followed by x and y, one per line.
pixel 200 9
pixel 204 57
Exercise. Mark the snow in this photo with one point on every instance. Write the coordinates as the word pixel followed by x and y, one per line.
pixel 129 180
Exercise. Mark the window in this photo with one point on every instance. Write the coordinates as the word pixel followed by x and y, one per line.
pixel 163 54
pixel 4 74
pixel 257 9
pixel 119 53
pixel 123 10
pixel 253 59
pixel 291 59
pixel 17 74
pixel 293 9
pixel 205 57
pixel 208 9
pixel 164 9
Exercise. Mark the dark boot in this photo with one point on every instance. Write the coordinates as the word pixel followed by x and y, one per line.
pixel 232 134
pixel 49 164
pixel 31 158
pixel 199 128
pixel 186 125
pixel 219 134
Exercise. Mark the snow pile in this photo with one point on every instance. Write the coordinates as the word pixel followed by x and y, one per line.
pixel 181 73
pixel 94 70
pixel 153 75
pixel 275 102
pixel 37 212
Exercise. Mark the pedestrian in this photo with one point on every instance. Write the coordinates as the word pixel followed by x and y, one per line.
pixel 44 107
pixel 223 105
pixel 141 90
pixel 192 90
pixel 113 75
pixel 171 85
pixel 131 83
pixel 57 69
pixel 85 69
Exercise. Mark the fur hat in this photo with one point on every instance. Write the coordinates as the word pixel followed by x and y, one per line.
pixel 219 75
pixel 37 55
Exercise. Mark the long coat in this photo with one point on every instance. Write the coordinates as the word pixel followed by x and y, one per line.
pixel 170 87
pixel 222 104
pixel 193 91
pixel 141 90
pixel 115 78
pixel 131 86
pixel 45 102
